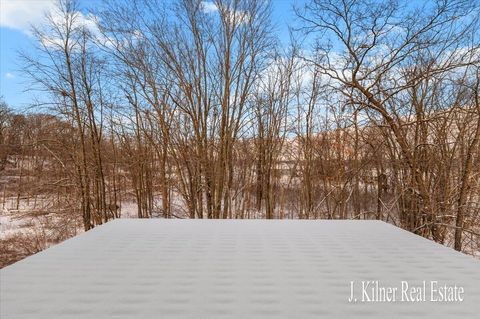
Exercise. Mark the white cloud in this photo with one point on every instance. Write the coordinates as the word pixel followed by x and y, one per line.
pixel 87 21
pixel 238 16
pixel 9 75
pixel 21 14
pixel 209 7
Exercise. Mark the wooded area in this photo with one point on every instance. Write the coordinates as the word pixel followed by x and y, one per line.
pixel 194 109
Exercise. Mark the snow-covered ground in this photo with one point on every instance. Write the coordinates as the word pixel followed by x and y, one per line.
pixel 9 225
pixel 27 227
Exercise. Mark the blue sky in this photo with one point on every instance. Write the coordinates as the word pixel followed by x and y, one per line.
pixel 16 16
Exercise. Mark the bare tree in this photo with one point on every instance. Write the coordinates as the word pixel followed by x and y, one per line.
pixel 383 51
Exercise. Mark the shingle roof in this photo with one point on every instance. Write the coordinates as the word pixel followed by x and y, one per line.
pixel 235 269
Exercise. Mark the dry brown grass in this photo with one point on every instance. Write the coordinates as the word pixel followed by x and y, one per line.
pixel 36 235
